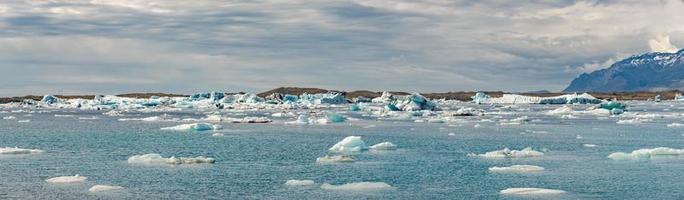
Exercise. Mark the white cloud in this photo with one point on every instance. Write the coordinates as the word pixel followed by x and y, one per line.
pixel 662 44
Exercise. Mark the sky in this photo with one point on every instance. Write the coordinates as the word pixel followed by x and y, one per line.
pixel 122 46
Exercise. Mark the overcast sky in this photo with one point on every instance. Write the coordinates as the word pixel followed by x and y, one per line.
pixel 118 46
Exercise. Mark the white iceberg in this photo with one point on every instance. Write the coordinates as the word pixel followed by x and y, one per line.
pixel 646 153
pixel 507 153
pixel 193 127
pixel 15 150
pixel 349 144
pixel 358 186
pixel 517 169
pixel 156 159
pixel 9 117
pixel 384 146
pixel 67 179
pixel 105 188
pixel 531 191
pixel 299 182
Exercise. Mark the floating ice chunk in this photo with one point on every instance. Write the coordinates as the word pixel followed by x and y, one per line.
pixel 517 169
pixel 632 121
pixel 147 119
pixel 105 188
pixel 507 153
pixel 156 159
pixel 589 145
pixel 24 121
pixel 675 125
pixel 283 114
pixel 334 159
pixel 358 186
pixel 301 120
pixel 299 182
pixel 89 118
pixel 354 107
pixel 193 127
pixel 335 118
pixel 480 97
pixel 9 117
pixel 49 99
pixel 646 153
pixel 57 115
pixel 15 150
pixel 250 120
pixel 386 146
pixel 67 179
pixel 350 144
pixel 531 191
pixel 217 135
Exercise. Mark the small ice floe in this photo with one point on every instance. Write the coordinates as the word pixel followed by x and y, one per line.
pixel 384 146
pixel 283 114
pixel 579 137
pixel 105 188
pixel 217 135
pixel 531 191
pixel 477 126
pixel 249 120
pixel 646 153
pixel 24 121
pixel 193 127
pixel 58 115
pixel 9 117
pixel 452 134
pixel 675 125
pixel 517 169
pixel 89 118
pixel 349 144
pixel 507 153
pixel 294 182
pixel 633 121
pixel 15 150
pixel 589 145
pixel 301 120
pixel 358 186
pixel 335 159
pixel 156 159
pixel 67 179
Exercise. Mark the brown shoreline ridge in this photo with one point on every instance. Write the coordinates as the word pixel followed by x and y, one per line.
pixel 461 96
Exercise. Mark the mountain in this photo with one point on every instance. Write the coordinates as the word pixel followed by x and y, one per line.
pixel 655 71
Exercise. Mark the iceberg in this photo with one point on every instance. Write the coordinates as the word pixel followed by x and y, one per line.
pixel 646 153
pixel 562 99
pixel 193 127
pixel 49 99
pixel 349 144
pixel 507 153
pixel 156 159
pixel 105 188
pixel 335 118
pixel 15 150
pixel 327 98
pixel 299 182
pixel 517 169
pixel 67 179
pixel 384 146
pixel 358 186
pixel 480 97
pixel 385 98
pixel 531 191
pixel 414 102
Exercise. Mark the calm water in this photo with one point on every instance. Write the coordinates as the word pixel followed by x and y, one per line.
pixel 253 161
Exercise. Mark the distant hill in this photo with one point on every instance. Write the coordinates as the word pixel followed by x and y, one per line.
pixel 647 72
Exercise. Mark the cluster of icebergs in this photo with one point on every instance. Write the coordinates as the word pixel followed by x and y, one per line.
pixel 347 149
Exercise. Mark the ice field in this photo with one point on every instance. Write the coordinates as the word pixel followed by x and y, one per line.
pixel 214 146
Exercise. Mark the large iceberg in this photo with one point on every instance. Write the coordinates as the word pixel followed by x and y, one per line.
pixel 562 99
pixel 349 144
pixel 326 98
pixel 480 97
pixel 49 99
